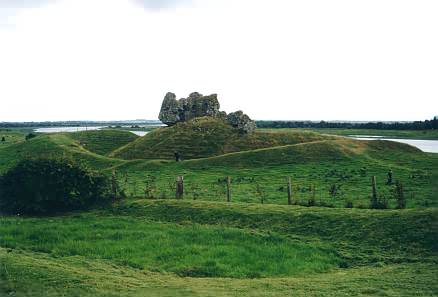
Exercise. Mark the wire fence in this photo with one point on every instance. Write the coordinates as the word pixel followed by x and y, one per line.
pixel 254 189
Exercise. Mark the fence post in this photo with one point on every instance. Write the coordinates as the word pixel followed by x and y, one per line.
pixel 179 187
pixel 374 197
pixel 289 191
pixel 228 189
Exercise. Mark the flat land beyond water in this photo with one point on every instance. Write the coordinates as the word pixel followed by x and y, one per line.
pixel 405 134
pixel 151 244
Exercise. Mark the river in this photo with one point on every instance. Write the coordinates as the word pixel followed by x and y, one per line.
pixel 428 146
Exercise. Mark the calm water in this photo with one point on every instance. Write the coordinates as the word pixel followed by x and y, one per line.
pixel 65 129
pixel 140 133
pixel 429 146
pixel 77 129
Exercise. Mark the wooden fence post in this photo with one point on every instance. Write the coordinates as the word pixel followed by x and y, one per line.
pixel 289 191
pixel 179 187
pixel 228 189
pixel 114 184
pixel 374 197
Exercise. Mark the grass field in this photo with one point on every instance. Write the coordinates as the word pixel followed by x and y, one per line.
pixel 186 248
pixel 204 246
pixel 316 167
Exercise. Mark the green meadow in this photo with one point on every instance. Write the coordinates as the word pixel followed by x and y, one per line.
pixel 151 244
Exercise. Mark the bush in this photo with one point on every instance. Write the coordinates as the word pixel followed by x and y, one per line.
pixel 47 186
pixel 30 136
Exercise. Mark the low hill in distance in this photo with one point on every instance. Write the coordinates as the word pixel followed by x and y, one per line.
pixel 206 137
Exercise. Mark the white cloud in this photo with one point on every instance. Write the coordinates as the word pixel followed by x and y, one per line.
pixel 110 59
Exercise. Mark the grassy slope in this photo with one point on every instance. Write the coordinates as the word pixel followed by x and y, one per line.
pixel 11 136
pixel 34 275
pixel 348 164
pixel 406 232
pixel 103 259
pixel 398 259
pixel 186 250
pixel 103 142
pixel 406 134
pixel 205 137
pixel 55 145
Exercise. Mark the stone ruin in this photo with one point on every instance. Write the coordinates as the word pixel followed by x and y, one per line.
pixel 196 105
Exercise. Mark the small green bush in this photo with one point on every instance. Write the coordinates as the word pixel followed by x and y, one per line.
pixel 30 136
pixel 47 186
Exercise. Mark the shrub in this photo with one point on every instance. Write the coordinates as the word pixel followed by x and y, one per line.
pixel 30 136
pixel 46 186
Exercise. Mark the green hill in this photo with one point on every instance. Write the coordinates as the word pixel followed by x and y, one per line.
pixel 103 142
pixel 158 246
pixel 315 168
pixel 344 164
pixel 53 145
pixel 206 137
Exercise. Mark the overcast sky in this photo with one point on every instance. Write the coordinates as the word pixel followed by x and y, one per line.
pixel 276 59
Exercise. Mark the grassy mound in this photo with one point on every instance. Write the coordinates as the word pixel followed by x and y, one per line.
pixel 345 164
pixel 206 137
pixel 52 145
pixel 103 142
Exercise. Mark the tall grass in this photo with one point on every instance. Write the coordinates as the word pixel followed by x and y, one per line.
pixel 186 250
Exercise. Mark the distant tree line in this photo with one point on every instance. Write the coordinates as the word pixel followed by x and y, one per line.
pixel 417 125
pixel 75 123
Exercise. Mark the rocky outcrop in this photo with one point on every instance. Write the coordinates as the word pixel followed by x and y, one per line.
pixel 195 106
pixel 241 121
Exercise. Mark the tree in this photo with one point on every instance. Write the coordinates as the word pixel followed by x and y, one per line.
pixel 46 186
